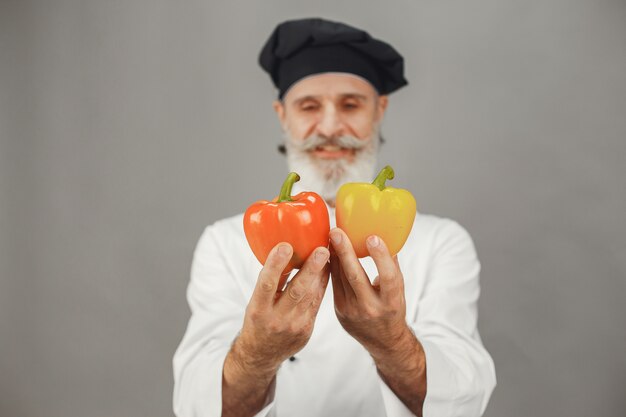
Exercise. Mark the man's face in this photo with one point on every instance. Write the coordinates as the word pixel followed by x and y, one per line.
pixel 331 126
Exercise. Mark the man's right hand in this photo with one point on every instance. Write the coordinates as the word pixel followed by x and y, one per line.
pixel 277 324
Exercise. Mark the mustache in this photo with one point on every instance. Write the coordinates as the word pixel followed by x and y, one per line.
pixel 346 141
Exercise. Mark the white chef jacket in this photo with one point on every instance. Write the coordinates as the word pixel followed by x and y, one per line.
pixel 333 375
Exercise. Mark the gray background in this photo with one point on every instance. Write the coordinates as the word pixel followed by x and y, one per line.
pixel 127 126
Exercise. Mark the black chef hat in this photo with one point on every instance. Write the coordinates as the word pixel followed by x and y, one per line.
pixel 299 48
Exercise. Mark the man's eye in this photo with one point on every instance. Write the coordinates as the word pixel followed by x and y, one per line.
pixel 350 106
pixel 309 108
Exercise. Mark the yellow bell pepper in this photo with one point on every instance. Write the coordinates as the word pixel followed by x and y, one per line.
pixel 365 209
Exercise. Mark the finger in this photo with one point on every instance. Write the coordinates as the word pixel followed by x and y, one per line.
pixel 390 278
pixel 316 302
pixel 339 293
pixel 271 274
pixel 348 291
pixel 300 285
pixel 353 272
pixel 347 288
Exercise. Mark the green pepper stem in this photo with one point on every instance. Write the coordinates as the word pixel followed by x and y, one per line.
pixel 285 191
pixel 385 174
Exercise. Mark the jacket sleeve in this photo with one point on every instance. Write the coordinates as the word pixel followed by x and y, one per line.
pixel 459 371
pixel 217 308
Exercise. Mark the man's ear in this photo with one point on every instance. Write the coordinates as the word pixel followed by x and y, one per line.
pixel 279 108
pixel 381 106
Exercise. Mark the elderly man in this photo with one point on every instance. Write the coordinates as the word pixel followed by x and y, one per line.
pixel 398 335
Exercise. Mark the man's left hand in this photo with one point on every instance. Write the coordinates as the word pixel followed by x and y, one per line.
pixel 372 312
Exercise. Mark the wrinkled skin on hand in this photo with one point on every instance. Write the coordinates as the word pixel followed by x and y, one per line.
pixel 278 324
pixel 372 312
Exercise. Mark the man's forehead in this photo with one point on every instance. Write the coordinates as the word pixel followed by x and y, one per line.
pixel 331 85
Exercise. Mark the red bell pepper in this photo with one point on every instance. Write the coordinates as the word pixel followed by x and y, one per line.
pixel 301 220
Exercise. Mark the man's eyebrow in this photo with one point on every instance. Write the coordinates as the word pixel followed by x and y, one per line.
pixel 357 96
pixel 305 98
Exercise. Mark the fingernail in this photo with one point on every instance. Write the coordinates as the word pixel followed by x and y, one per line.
pixel 284 250
pixel 321 256
pixel 336 238
pixel 373 241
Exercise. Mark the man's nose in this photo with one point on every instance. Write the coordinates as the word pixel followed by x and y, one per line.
pixel 330 124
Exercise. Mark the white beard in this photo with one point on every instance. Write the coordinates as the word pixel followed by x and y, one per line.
pixel 325 176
